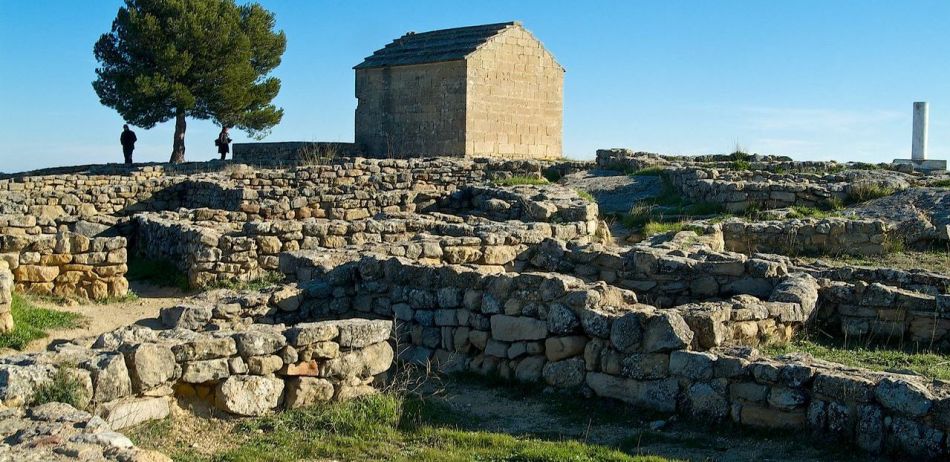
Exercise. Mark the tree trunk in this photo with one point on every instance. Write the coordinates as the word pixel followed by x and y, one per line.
pixel 178 144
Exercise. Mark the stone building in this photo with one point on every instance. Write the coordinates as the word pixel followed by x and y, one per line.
pixel 482 91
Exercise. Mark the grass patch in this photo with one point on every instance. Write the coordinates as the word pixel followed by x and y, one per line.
pixel 740 165
pixel 863 192
pixel 879 358
pixel 653 228
pixel 585 195
pixel 161 273
pixel 64 388
pixel 668 207
pixel 520 180
pixel 649 171
pixel 261 282
pixel 31 322
pixel 799 211
pixel 941 183
pixel 384 427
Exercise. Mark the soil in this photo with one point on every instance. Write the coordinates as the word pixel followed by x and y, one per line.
pixel 100 318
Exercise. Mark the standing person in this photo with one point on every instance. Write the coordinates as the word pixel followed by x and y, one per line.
pixel 128 140
pixel 222 142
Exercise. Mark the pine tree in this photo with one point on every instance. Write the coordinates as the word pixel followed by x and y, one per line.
pixel 205 59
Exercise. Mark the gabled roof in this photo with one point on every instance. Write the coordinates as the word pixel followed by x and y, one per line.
pixel 435 46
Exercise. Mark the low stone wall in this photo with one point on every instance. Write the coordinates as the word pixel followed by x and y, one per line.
pixel 883 313
pixel 67 264
pixel 291 152
pixel 248 372
pixel 6 297
pixel 828 236
pixel 580 336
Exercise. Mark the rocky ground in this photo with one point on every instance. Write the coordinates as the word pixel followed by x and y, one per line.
pixel 614 191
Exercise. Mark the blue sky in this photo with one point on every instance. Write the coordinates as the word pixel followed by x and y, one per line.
pixel 810 79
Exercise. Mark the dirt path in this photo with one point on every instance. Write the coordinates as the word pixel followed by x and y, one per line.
pixel 103 318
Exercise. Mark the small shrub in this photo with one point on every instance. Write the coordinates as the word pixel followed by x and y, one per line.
pixel 520 180
pixel 585 195
pixel 865 191
pixel 64 387
pixel 318 154
pixel 268 279
pixel 740 165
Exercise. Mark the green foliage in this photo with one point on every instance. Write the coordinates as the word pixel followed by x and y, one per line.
pixel 261 282
pixel 161 273
pixel 65 387
pixel 650 171
pixel 31 322
pixel 166 59
pixel 739 155
pixel 941 183
pixel 390 428
pixel 740 165
pixel 585 195
pixel 652 228
pixel 864 166
pixel 878 358
pixel 865 191
pixel 800 211
pixel 519 181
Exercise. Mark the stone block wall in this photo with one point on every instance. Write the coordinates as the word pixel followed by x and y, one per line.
pixel 827 236
pixel 411 110
pixel 514 100
pixel 67 264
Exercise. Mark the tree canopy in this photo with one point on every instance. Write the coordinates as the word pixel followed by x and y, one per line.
pixel 204 59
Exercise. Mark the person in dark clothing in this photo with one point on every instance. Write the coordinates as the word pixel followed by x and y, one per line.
pixel 223 142
pixel 128 140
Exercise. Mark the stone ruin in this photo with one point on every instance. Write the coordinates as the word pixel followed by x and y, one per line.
pixel 428 261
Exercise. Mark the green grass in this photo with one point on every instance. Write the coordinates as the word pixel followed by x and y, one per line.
pixel 941 184
pixel 64 388
pixel 741 165
pixel 585 195
pixel 863 192
pixel 877 358
pixel 520 180
pixel 382 428
pixel 668 207
pixel 31 322
pixel 649 171
pixel 158 272
pixel 266 280
pixel 653 228
pixel 800 211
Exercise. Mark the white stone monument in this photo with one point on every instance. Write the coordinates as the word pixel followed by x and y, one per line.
pixel 918 152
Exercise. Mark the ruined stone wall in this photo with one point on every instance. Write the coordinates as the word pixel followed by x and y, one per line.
pixel 414 110
pixel 514 102
pixel 67 264
pixel 289 153
pixel 827 236
pixel 572 335
pixel 128 373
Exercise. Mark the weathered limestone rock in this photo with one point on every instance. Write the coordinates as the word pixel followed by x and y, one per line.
pixel 517 328
pixel 125 413
pixel 205 371
pixel 110 377
pixel 367 362
pixel 305 391
pixel 150 365
pixel 249 395
pixel 568 373
pixel 358 333
pixel 666 331
pixel 258 342
pixel 193 317
pixel 558 348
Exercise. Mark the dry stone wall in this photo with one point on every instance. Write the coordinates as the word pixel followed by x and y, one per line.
pixel 828 236
pixel 67 264
pixel 572 335
pixel 6 297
